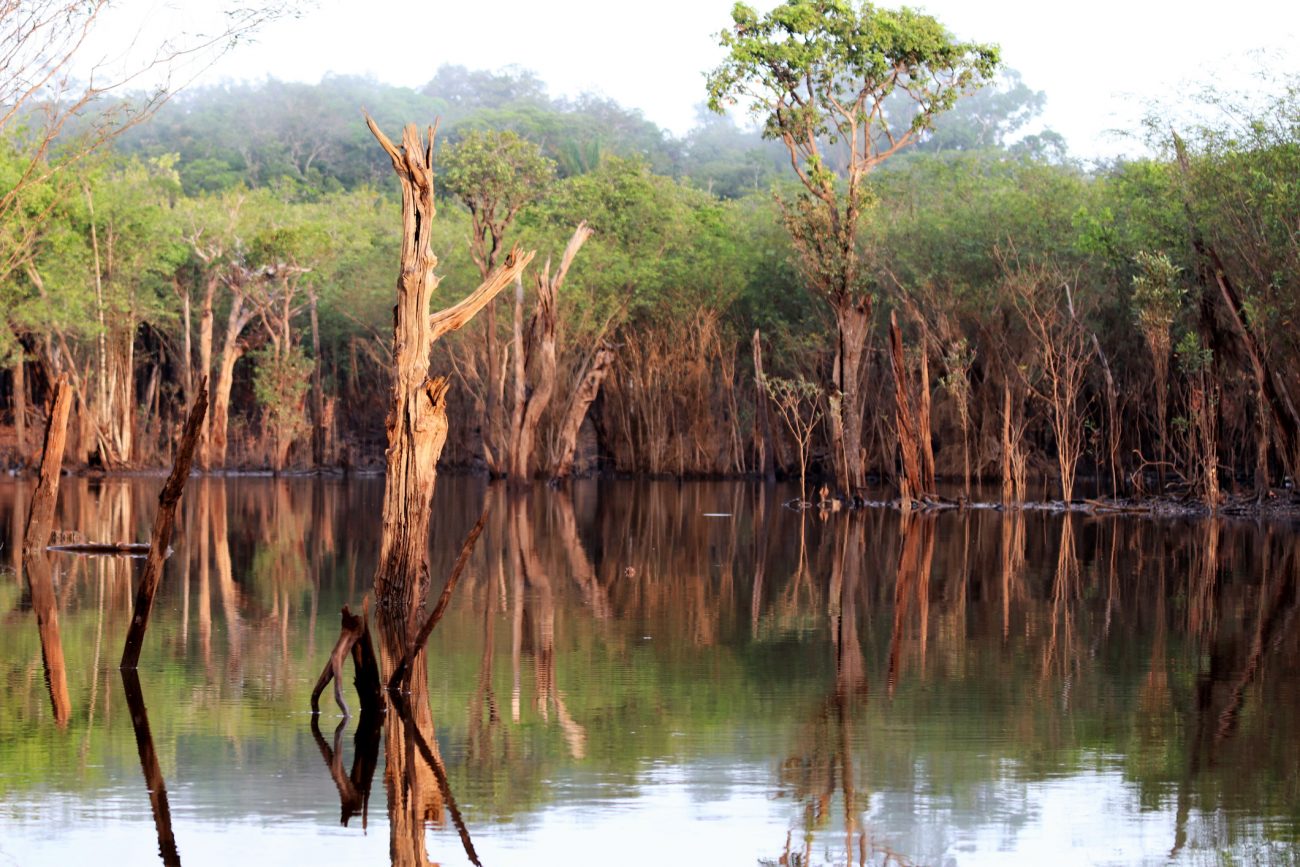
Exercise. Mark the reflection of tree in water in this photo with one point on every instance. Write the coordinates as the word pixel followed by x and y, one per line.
pixel 823 763
pixel 415 777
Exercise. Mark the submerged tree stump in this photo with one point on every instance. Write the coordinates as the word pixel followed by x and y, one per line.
pixel 354 640
pixel 40 518
pixel 417 419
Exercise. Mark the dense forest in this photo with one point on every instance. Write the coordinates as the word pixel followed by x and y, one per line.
pixel 949 299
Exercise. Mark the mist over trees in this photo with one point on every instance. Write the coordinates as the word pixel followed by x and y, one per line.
pixel 1132 321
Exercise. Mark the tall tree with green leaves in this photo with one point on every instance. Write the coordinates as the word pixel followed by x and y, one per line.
pixel 820 74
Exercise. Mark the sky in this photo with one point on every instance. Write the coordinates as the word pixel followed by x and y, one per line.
pixel 1100 63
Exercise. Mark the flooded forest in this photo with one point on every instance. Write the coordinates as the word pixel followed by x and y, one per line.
pixel 461 474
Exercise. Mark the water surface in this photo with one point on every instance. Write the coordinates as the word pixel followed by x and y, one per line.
pixel 650 673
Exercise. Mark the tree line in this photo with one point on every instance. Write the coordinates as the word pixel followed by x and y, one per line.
pixel 906 291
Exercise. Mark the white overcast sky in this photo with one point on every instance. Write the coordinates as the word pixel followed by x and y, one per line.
pixel 1100 63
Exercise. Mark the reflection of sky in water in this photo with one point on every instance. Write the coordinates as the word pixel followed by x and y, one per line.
pixel 705 813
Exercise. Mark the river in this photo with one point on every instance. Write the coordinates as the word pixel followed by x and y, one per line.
pixel 648 673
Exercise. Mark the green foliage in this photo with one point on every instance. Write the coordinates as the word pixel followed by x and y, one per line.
pixel 825 68
pixel 280 382
pixel 1157 294
pixel 1194 357
pixel 494 174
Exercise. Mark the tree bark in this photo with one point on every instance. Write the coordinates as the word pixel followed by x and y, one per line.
pixel 417 420
pixel 852 325
pixel 317 391
pixel 912 484
pixel 583 396
pixel 205 366
pixel 539 358
pixel 20 406
pixel 40 518
pixel 763 436
pixel 231 351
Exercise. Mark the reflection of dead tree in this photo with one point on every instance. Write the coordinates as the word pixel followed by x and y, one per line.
pixel 1275 613
pixel 825 762
pixel 414 775
pixel 1065 592
pixel 541 602
pixel 36 565
pixel 1202 595
pixel 354 787
pixel 911 586
pixel 225 575
pixel 1013 566
pixel 153 777
pixel 594 593
pixel 36 562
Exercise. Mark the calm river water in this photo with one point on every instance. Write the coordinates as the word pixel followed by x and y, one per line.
pixel 655 673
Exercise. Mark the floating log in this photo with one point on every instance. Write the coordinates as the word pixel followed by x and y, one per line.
pixel 163 522
pixel 118 549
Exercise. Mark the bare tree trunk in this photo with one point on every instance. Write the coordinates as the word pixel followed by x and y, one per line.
pixel 853 323
pixel 40 518
pixel 417 421
pixel 20 406
pixel 317 392
pixel 763 437
pixel 187 348
pixel 583 396
pixel 540 359
pixel 923 424
pixel 205 367
pixel 231 351
pixel 509 454
pixel 912 485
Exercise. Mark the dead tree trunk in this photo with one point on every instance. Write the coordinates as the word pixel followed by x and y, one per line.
pixel 417 420
pixel 163 521
pixel 40 519
pixel 20 406
pixel 232 350
pixel 205 363
pixel 540 360
pixel 318 438
pixel 763 436
pixel 912 484
pixel 923 424
pixel 354 640
pixel 583 396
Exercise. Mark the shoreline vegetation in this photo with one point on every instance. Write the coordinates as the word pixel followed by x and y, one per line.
pixel 893 284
